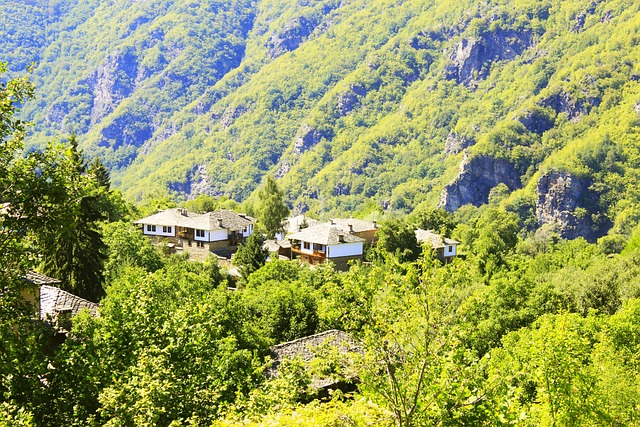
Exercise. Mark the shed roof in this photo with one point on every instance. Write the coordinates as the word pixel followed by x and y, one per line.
pixel 40 279
pixel 54 301
pixel 307 347
pixel 432 238
pixel 325 234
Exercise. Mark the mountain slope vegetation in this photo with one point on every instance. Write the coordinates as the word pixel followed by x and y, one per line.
pixel 534 103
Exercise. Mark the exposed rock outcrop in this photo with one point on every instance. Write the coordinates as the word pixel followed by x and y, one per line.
pixel 537 120
pixel 231 115
pixel 308 137
pixel 457 143
pixel 292 35
pixel 562 202
pixel 636 107
pixel 475 180
pixel 348 100
pixel 563 102
pixel 472 58
pixel 112 82
pixel 197 182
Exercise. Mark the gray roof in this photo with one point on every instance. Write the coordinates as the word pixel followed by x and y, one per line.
pixel 179 217
pixel 176 217
pixel 432 238
pixel 294 224
pixel 358 225
pixel 40 279
pixel 275 245
pixel 230 220
pixel 54 301
pixel 307 347
pixel 325 234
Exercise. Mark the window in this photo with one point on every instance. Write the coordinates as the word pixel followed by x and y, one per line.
pixel 166 229
pixel 306 245
pixel 200 233
pixel 450 248
pixel 151 228
pixel 244 230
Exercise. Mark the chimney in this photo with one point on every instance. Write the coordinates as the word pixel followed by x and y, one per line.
pixel 220 222
pixel 332 221
pixel 341 238
pixel 350 228
pixel 183 211
pixel 375 224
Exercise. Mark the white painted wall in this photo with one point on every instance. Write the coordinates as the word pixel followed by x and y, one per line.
pixel 249 231
pixel 450 250
pixel 344 249
pixel 158 231
pixel 217 235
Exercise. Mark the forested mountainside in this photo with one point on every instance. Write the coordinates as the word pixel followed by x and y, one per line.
pixel 531 103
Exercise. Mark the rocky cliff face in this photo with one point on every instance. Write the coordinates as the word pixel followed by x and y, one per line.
pixel 476 179
pixel 562 200
pixel 472 57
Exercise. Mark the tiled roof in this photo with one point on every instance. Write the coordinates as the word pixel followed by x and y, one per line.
pixel 230 220
pixel 176 217
pixel 275 245
pixel 40 279
pixel 294 224
pixel 179 217
pixel 306 348
pixel 435 240
pixel 325 234
pixel 358 225
pixel 54 301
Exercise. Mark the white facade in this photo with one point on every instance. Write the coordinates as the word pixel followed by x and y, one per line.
pixel 159 230
pixel 344 249
pixel 247 231
pixel 211 236
pixel 449 250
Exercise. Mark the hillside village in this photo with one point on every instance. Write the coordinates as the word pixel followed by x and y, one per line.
pixel 363 213
pixel 339 241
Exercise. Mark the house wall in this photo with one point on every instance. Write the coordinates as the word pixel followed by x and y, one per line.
pixel 212 236
pixel 248 232
pixel 368 235
pixel 344 250
pixel 158 231
pixel 449 250
pixel 342 263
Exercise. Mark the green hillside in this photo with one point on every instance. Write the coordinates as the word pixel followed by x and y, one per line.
pixel 350 101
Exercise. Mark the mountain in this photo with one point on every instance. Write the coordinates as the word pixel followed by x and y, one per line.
pixel 534 104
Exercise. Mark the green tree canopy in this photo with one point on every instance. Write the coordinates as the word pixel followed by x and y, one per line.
pixel 271 207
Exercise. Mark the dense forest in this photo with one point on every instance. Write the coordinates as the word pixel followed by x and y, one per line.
pixel 348 102
pixel 523 328
pixel 511 126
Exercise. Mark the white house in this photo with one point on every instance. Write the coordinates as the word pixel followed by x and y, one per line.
pixel 326 242
pixel 446 248
pixel 198 234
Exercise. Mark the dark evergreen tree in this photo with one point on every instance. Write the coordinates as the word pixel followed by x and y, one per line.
pixel 74 251
pixel 251 255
